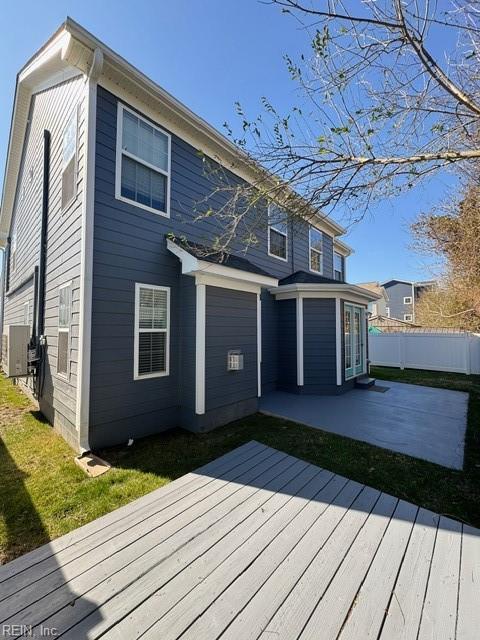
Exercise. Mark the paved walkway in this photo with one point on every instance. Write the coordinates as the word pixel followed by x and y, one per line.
pixel 419 421
pixel 257 544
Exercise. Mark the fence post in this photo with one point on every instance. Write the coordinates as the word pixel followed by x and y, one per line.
pixel 467 341
pixel 401 349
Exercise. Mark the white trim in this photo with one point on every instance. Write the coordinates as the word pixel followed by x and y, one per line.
pixel 338 339
pixel 342 248
pixel 60 329
pixel 342 260
pixel 405 298
pixel 282 233
pixel 218 275
pixel 320 290
pixel 363 337
pixel 300 363
pixel 200 321
pixel 75 116
pixel 166 331
pixel 310 249
pixel 259 345
pixel 119 152
pixel 82 409
pixel 408 317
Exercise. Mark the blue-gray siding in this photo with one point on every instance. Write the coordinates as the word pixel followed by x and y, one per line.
pixel 50 109
pixel 231 323
pixel 319 346
pixel 396 292
pixel 287 344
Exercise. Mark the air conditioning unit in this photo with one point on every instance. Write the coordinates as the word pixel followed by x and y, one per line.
pixel 15 341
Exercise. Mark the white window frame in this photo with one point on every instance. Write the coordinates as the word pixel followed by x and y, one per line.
pixel 67 285
pixel 75 117
pixel 282 233
pixel 138 330
pixel 408 317
pixel 13 253
pixel 121 152
pixel 335 253
pixel 310 249
pixel 407 300
pixel 387 312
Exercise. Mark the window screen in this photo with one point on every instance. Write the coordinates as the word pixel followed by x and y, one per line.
pixel 145 152
pixel 152 328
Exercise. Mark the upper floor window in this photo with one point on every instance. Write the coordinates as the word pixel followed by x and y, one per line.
pixel 337 266
pixel 407 300
pixel 316 250
pixel 277 232
pixel 387 311
pixel 69 161
pixel 152 329
pixel 143 163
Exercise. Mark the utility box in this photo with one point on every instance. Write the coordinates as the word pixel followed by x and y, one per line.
pixel 15 341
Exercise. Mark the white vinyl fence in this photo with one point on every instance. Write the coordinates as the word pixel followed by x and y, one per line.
pixel 459 352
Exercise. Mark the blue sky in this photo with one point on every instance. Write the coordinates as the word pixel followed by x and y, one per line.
pixel 209 54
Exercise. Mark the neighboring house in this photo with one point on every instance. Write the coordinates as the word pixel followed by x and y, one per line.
pixel 134 331
pixel 402 296
pixel 376 307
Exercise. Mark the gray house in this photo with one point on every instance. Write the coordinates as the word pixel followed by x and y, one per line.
pixel 402 296
pixel 134 325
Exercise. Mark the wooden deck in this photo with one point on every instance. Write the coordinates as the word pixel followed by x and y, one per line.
pixel 257 544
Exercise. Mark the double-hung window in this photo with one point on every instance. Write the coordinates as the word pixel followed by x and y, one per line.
pixel 152 331
pixel 277 232
pixel 143 163
pixel 64 321
pixel 316 250
pixel 69 161
pixel 337 266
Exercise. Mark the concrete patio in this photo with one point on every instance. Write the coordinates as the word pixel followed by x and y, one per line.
pixel 422 422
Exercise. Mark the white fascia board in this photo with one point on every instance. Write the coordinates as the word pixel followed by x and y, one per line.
pixel 218 273
pixel 59 60
pixel 342 248
pixel 323 291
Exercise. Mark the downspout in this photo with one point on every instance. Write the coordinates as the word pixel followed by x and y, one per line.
pixel 82 415
pixel 43 235
pixel 39 345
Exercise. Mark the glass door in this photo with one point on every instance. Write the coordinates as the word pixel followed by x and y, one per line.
pixel 358 340
pixel 348 322
pixel 354 340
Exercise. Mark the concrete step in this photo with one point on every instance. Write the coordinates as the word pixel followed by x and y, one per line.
pixel 364 382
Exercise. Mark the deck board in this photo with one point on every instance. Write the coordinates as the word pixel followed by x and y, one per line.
pixel 256 544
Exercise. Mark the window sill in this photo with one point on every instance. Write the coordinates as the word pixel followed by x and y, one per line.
pixel 134 203
pixel 149 376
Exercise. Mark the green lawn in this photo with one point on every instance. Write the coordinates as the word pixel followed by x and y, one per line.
pixel 43 494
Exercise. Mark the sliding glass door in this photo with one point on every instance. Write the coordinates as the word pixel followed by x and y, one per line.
pixel 354 328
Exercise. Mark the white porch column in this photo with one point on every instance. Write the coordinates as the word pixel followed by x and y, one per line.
pixel 259 345
pixel 299 340
pixel 200 349
pixel 338 339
